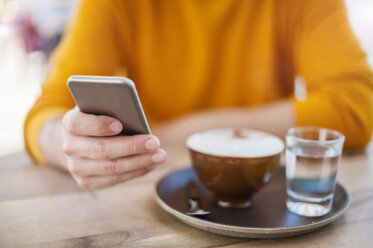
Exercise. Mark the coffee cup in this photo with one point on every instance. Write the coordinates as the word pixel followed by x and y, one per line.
pixel 234 163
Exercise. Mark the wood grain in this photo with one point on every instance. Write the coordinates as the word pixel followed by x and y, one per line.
pixel 43 207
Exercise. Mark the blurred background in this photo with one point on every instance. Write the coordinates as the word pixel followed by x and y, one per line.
pixel 31 29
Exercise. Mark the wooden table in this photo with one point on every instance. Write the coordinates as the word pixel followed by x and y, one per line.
pixel 43 207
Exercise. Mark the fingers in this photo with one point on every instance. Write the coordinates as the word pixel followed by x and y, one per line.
pixel 96 160
pixel 96 182
pixel 78 123
pixel 110 147
pixel 92 167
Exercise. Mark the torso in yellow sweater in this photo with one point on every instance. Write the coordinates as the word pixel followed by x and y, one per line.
pixel 190 55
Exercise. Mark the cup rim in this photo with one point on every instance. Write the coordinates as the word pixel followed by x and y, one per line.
pixel 280 151
pixel 237 157
pixel 291 133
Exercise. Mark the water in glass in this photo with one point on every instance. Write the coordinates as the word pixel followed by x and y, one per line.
pixel 311 172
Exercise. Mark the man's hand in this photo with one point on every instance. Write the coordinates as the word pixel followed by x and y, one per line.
pixel 97 160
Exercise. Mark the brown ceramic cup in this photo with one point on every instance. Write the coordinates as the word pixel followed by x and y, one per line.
pixel 233 163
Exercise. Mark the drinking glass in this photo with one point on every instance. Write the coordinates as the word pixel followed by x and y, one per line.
pixel 312 158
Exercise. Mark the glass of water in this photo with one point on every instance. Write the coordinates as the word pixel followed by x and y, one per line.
pixel 312 159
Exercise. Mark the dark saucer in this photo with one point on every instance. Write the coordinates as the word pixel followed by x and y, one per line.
pixel 268 218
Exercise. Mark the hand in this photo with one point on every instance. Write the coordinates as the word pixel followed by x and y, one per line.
pixel 97 160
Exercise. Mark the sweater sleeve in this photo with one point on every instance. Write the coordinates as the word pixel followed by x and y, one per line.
pixel 89 47
pixel 338 79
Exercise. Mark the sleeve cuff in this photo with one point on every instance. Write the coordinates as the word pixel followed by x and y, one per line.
pixel 32 129
pixel 315 111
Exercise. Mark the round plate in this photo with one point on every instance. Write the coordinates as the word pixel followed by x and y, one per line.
pixel 268 218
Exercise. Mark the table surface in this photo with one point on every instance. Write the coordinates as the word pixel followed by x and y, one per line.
pixel 43 207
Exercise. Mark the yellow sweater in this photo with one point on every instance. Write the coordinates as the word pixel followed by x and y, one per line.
pixel 188 55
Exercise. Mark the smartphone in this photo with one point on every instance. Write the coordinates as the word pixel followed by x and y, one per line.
pixel 112 96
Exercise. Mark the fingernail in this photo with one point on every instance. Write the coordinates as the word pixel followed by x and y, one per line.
pixel 152 144
pixel 158 157
pixel 115 126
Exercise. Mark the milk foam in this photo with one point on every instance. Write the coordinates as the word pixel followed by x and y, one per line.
pixel 223 142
